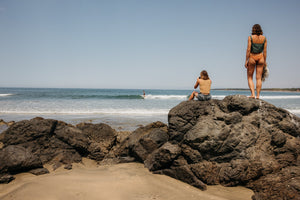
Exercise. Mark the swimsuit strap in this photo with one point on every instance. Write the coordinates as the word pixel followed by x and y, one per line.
pixel 252 41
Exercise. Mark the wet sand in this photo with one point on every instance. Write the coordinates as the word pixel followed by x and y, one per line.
pixel 129 181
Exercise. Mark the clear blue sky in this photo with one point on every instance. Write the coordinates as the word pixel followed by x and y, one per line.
pixel 144 44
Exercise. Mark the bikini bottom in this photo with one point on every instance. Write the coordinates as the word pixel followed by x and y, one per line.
pixel 257 56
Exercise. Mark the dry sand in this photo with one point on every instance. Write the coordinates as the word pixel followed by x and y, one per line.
pixel 130 181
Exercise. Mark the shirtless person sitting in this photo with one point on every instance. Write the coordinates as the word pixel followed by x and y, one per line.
pixel 204 84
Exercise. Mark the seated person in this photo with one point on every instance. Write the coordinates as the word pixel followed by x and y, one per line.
pixel 204 84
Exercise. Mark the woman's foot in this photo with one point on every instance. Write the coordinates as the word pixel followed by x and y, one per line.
pixel 251 97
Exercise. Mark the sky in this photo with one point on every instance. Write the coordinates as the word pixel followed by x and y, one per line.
pixel 144 44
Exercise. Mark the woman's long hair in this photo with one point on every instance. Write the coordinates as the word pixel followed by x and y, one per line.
pixel 204 75
pixel 256 30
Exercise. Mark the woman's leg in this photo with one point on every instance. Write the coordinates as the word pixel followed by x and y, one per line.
pixel 193 95
pixel 259 71
pixel 250 72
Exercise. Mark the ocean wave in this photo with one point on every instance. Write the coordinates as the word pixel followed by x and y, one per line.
pixel 121 112
pixel 167 97
pixel 281 97
pixel 294 111
pixel 220 97
pixel 5 95
pixel 139 112
pixel 100 96
pixel 264 97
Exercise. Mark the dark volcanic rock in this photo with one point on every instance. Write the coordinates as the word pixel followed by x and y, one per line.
pixel 26 131
pixel 163 157
pixel 73 137
pixel 240 104
pixel 29 144
pixel 102 138
pixel 6 178
pixel 39 171
pixel 15 158
pixel 143 141
pixel 5 125
pixel 235 141
pixel 38 136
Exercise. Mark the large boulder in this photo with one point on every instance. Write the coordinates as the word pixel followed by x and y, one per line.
pixel 102 138
pixel 15 159
pixel 55 142
pixel 73 137
pixel 45 139
pixel 28 130
pixel 235 141
pixel 143 141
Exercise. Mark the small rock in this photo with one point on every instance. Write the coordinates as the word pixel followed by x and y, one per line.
pixel 39 171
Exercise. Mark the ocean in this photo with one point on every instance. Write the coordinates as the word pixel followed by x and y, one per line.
pixel 123 109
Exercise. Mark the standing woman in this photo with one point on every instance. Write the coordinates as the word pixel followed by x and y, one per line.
pixel 256 56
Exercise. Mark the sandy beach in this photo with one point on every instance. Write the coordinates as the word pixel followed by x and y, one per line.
pixel 115 182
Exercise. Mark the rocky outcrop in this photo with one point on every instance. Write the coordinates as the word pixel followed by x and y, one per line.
pixel 141 142
pixel 102 138
pixel 235 141
pixel 28 145
pixel 41 138
pixel 15 158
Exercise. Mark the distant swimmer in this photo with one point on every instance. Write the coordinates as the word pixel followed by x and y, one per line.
pixel 144 94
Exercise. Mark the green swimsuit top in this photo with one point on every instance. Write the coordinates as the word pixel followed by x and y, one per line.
pixel 257 48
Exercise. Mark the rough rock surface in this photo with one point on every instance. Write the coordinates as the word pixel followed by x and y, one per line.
pixel 4 125
pixel 29 144
pixel 102 138
pixel 15 158
pixel 235 141
pixel 141 142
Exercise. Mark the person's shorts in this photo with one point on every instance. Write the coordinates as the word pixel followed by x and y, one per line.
pixel 203 97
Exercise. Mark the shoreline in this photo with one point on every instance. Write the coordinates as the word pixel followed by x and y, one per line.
pixel 119 123
pixel 263 89
pixel 87 180
pixel 173 150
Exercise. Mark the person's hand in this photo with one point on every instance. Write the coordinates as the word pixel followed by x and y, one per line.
pixel 246 64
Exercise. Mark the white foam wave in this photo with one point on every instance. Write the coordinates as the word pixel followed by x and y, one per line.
pixel 5 95
pixel 181 97
pixel 138 112
pixel 264 97
pixel 294 111
pixel 281 97
pixel 218 96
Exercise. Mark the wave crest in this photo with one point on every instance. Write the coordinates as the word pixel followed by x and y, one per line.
pixel 180 97
pixel 5 95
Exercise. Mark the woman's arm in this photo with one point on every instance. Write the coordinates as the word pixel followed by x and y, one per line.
pixel 248 52
pixel 196 84
pixel 265 51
